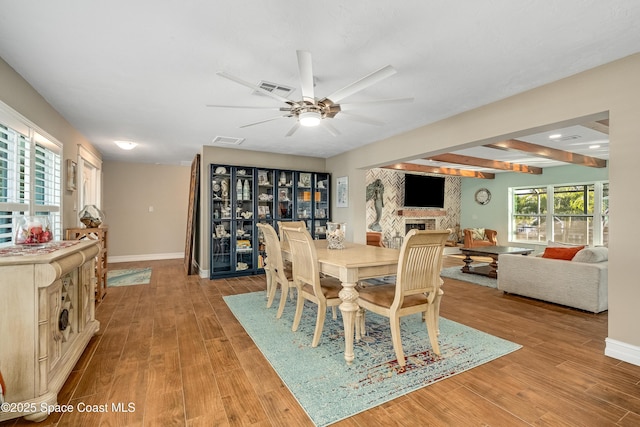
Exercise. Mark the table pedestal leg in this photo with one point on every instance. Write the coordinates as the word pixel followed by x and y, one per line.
pixel 467 264
pixel 349 308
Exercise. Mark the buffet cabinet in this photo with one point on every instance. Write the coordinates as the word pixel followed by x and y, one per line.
pixel 243 196
pixel 47 317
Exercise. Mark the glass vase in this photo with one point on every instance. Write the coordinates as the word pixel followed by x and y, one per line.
pixel 91 216
pixel 335 235
pixel 33 230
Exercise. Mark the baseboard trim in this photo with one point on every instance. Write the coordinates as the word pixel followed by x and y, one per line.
pixel 204 273
pixel 145 257
pixel 622 351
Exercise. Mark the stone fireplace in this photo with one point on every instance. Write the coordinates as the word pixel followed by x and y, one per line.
pixel 397 219
pixel 419 224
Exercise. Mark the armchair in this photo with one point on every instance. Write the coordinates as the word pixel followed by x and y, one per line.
pixel 475 237
pixel 374 238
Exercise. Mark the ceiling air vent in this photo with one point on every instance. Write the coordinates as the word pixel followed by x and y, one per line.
pixel 274 88
pixel 569 138
pixel 227 140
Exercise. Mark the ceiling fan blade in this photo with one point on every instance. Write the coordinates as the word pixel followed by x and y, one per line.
pixel 358 118
pixel 363 83
pixel 330 128
pixel 264 121
pixel 248 106
pixel 354 105
pixel 293 129
pixel 306 75
pixel 254 87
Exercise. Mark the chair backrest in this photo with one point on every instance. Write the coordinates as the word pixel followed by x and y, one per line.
pixel 420 263
pixel 274 251
pixel 304 257
pixel 293 224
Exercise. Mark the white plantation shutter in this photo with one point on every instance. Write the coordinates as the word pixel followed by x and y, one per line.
pixel 30 177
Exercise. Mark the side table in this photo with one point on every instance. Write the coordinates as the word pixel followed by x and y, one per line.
pixel 100 234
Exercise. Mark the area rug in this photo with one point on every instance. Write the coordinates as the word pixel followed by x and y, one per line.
pixel 326 387
pixel 456 273
pixel 128 277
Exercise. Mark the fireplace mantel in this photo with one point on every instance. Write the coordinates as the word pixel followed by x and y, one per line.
pixel 421 213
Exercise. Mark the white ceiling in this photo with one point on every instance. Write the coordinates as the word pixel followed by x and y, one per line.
pixel 144 70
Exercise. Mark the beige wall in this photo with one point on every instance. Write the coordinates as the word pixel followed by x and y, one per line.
pixel 235 157
pixel 19 95
pixel 615 88
pixel 135 233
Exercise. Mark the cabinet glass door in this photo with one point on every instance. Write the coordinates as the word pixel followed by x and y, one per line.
pixel 244 220
pixel 321 183
pixel 221 205
pixel 303 196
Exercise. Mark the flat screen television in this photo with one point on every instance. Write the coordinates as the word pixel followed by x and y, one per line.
pixel 422 191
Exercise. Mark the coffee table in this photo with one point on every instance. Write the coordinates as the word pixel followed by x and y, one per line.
pixel 493 252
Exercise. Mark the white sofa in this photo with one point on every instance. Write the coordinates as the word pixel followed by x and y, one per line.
pixel 574 283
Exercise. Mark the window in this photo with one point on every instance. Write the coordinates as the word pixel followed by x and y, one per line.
pixel 30 176
pixel 571 213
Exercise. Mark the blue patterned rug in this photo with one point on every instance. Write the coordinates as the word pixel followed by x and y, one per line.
pixel 326 387
pixel 456 273
pixel 128 277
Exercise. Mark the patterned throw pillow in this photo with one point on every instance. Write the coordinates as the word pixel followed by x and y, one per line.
pixel 477 233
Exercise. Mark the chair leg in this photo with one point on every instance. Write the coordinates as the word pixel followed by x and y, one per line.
pixel 322 313
pixel 298 315
pixel 271 289
pixel 432 329
pixel 397 341
pixel 436 311
pixel 283 299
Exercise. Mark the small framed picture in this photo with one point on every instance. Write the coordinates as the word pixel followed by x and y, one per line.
pixel 343 192
pixel 72 175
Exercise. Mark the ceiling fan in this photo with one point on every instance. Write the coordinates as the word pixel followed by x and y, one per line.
pixel 311 111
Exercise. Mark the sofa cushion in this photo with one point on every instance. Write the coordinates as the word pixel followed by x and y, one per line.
pixel 477 233
pixel 559 252
pixel 597 254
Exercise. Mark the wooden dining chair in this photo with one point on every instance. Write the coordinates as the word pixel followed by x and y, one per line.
pixel 277 273
pixel 417 288
pixel 322 291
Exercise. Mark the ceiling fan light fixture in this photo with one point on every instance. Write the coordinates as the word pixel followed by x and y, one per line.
pixel 310 118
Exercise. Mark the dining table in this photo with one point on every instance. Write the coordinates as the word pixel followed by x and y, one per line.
pixel 352 264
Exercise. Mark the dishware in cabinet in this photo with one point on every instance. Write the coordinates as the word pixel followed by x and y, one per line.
pixel 284 196
pixel 266 195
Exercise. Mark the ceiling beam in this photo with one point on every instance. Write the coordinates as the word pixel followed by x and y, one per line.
pixel 413 167
pixel 486 163
pixel 600 126
pixel 548 153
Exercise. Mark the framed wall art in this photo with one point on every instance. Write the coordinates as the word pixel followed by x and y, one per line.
pixel 343 192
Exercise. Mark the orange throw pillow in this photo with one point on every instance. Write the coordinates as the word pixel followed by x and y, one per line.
pixel 566 253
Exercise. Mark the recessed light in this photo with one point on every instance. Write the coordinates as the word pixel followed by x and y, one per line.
pixel 594 146
pixel 555 136
pixel 126 145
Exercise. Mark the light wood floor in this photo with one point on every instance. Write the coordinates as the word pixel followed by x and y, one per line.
pixel 174 349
